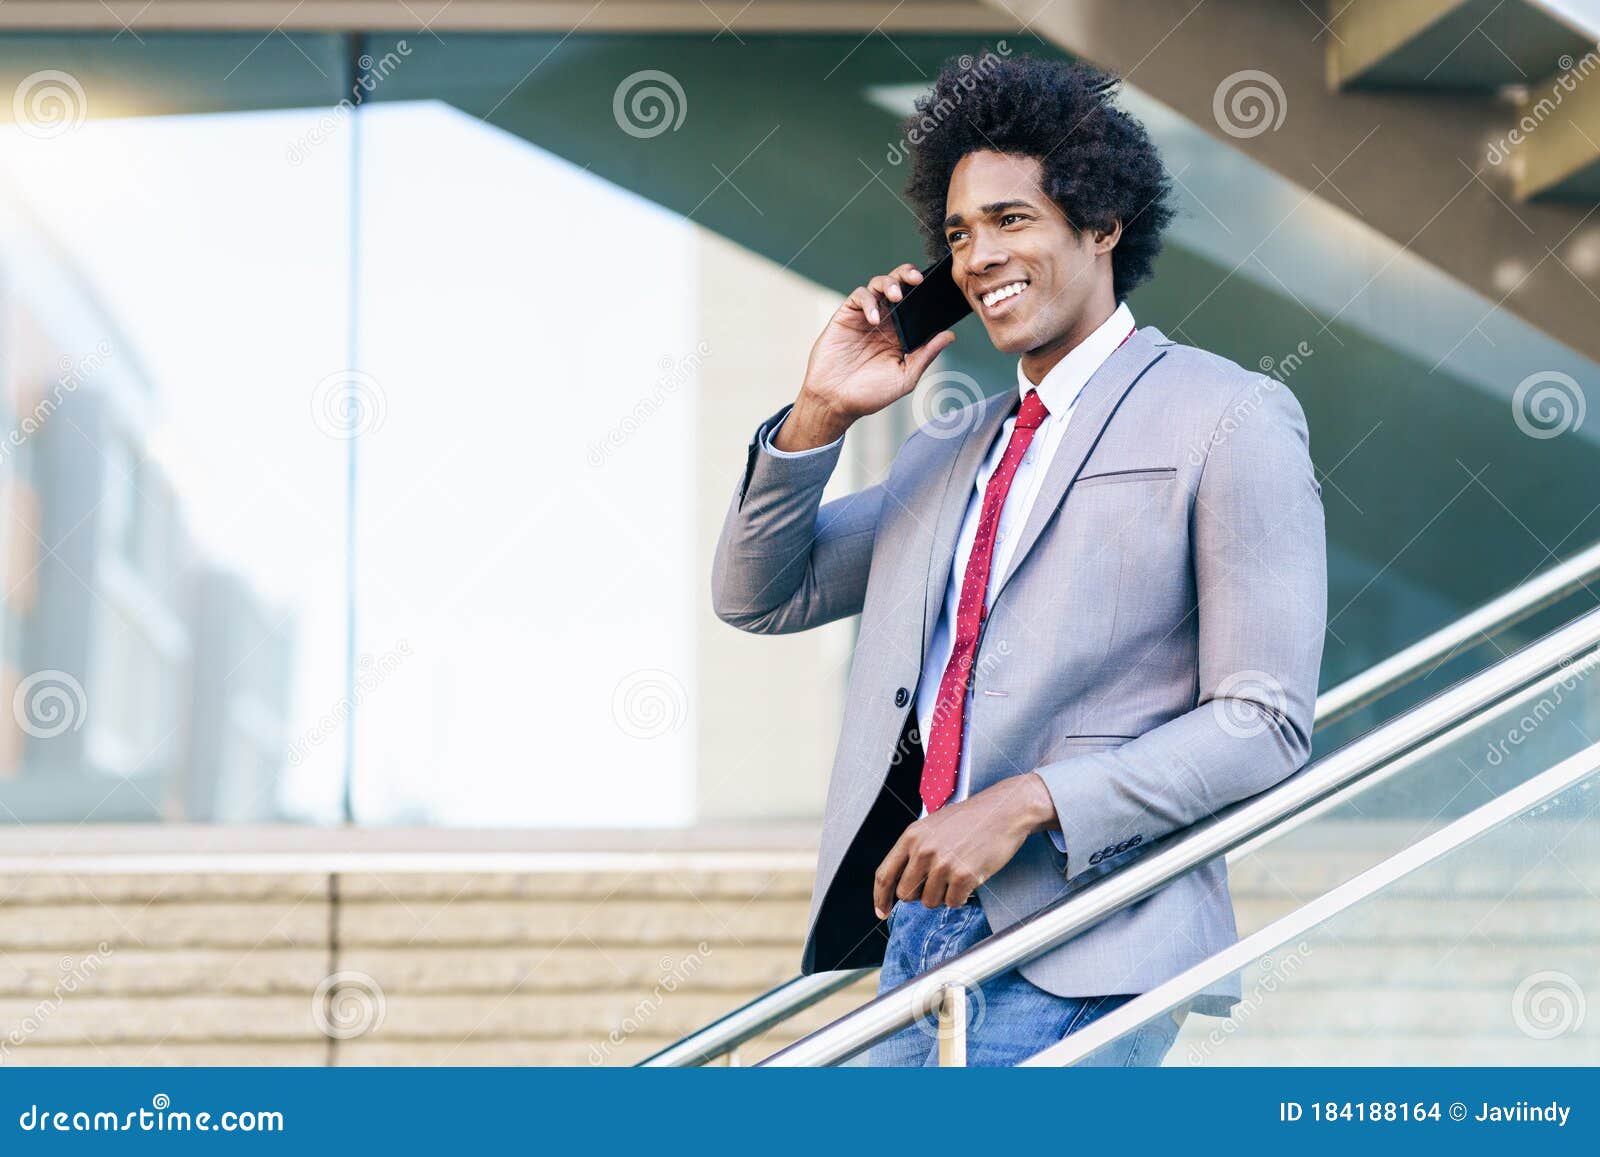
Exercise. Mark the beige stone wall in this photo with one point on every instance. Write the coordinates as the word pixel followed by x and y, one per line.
pixel 569 958
pixel 484 954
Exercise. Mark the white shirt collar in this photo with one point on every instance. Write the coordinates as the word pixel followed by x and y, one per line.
pixel 1066 378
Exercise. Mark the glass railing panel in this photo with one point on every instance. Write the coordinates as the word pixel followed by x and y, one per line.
pixel 1474 952
pixel 1458 771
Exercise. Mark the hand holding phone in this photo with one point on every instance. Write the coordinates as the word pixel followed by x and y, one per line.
pixel 858 365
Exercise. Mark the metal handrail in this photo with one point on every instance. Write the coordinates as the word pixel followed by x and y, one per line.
pixel 1495 813
pixel 1185 850
pixel 1492 618
pixel 724 1035
pixel 1497 615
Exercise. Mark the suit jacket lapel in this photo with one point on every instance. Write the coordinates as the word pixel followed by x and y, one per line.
pixel 1101 396
pixel 983 420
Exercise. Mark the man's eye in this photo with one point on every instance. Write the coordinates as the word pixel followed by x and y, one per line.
pixel 1008 217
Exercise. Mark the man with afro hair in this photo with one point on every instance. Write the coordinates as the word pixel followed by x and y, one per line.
pixel 1092 603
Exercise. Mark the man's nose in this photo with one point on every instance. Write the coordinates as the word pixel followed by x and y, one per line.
pixel 987 256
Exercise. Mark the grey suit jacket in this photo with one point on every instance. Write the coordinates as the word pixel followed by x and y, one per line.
pixel 1151 650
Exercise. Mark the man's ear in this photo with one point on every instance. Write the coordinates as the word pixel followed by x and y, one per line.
pixel 1105 240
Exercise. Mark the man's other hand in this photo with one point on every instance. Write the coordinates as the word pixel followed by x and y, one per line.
pixel 943 856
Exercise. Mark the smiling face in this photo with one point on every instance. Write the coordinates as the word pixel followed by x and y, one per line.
pixel 1039 286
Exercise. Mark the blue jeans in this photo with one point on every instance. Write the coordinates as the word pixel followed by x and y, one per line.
pixel 1008 1018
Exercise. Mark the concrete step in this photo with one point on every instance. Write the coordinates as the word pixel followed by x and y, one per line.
pixel 169 1052
pixel 667 922
pixel 293 922
pixel 576 966
pixel 149 971
pixel 83 1017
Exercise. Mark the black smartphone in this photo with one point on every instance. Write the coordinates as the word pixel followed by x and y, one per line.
pixel 929 307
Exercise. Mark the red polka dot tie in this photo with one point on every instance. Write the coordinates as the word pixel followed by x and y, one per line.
pixel 943 756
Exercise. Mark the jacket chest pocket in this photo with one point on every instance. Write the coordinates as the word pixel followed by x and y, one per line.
pixel 1136 474
pixel 1139 515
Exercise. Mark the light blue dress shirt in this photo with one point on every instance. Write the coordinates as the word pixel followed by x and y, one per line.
pixel 1059 392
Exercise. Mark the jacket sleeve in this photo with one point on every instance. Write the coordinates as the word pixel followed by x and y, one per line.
pixel 784 562
pixel 1260 568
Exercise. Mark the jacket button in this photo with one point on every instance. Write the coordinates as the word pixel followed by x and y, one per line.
pixel 902 697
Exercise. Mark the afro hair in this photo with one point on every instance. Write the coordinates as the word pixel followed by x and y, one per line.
pixel 1099 165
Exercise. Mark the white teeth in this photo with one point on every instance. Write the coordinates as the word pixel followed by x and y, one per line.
pixel 1005 291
